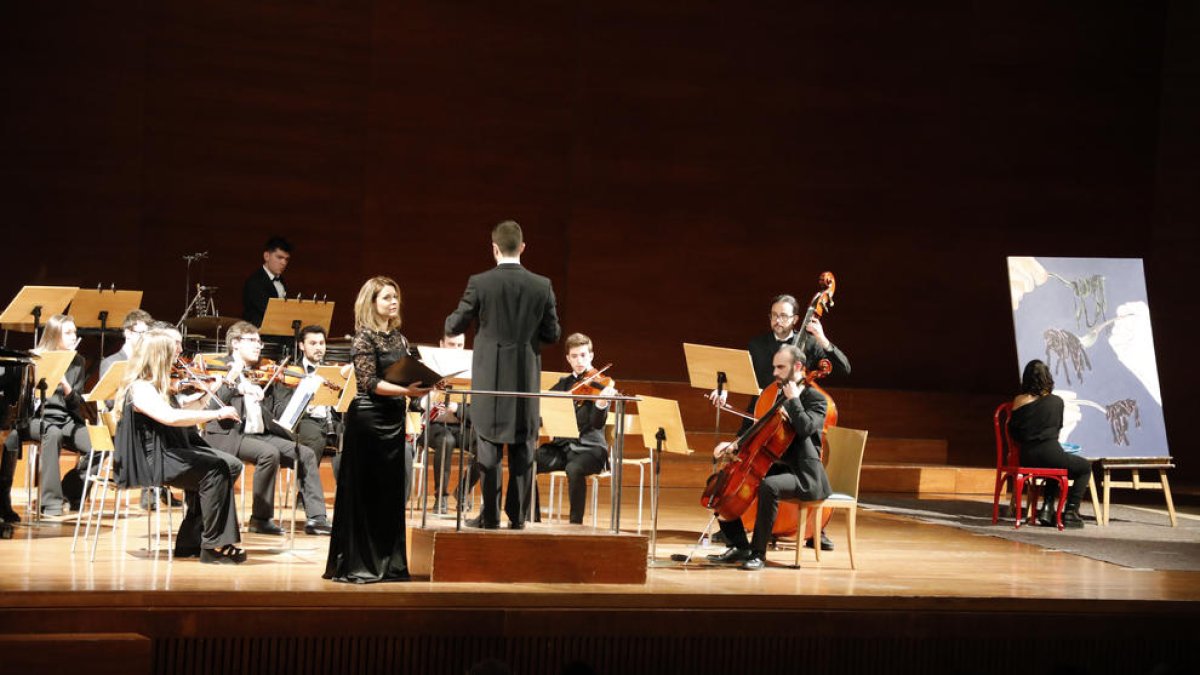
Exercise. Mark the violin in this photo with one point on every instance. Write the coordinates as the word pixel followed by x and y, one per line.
pixel 593 382
pixel 264 373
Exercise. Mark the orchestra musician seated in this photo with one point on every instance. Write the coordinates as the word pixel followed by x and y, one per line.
pixel 319 426
pixel 154 446
pixel 797 474
pixel 255 439
pixel 446 433
pixel 59 424
pixel 586 454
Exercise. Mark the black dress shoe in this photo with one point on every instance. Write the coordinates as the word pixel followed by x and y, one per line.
pixel 167 497
pixel 516 526
pixel 187 552
pixel 265 526
pixel 730 556
pixel 482 524
pixel 10 516
pixel 318 526
pixel 754 563
pixel 826 543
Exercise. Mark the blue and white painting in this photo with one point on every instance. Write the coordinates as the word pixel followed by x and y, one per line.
pixel 1089 320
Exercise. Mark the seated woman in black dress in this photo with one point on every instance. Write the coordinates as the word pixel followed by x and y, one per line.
pixel 153 446
pixel 368 538
pixel 1037 419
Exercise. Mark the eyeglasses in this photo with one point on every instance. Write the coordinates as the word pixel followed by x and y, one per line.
pixel 782 317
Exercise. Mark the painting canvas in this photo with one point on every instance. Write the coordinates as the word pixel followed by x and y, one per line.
pixel 1089 320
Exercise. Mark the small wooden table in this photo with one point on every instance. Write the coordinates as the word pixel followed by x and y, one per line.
pixel 1136 465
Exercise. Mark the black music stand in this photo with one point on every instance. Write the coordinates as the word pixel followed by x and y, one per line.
pixel 98 308
pixel 720 368
pixel 662 429
pixel 285 318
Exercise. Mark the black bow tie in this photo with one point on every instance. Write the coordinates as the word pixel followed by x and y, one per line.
pixel 278 278
pixel 312 368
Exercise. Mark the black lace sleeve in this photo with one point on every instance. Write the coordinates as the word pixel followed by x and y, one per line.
pixel 367 351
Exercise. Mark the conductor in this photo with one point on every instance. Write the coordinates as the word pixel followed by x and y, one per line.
pixel 515 311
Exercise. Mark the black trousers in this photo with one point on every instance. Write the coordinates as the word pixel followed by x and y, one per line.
pixel 520 479
pixel 267 452
pixel 54 437
pixel 207 478
pixel 774 487
pixel 579 462
pixel 443 439
pixel 1051 455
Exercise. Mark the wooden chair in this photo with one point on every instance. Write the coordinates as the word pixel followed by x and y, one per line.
pixel 1008 465
pixel 844 467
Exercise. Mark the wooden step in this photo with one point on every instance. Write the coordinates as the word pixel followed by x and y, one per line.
pixel 922 479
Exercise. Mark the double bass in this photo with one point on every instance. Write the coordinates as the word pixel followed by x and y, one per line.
pixel 732 490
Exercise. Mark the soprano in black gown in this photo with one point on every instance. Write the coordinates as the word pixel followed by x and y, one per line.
pixel 368 540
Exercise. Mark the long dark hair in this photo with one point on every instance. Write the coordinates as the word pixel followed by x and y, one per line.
pixel 1036 380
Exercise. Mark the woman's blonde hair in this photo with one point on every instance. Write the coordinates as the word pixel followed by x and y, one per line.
pixel 51 339
pixel 151 361
pixel 365 315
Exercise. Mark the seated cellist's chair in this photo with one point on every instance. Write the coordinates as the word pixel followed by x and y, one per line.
pixel 844 467
pixel 1008 465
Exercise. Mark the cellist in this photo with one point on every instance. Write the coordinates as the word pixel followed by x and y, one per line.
pixel 797 474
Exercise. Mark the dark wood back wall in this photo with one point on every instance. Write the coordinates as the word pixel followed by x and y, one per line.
pixel 674 164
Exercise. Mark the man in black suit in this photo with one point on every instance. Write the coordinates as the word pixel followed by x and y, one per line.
pixel 267 282
pixel 586 454
pixel 319 426
pixel 515 310
pixel 253 438
pixel 797 474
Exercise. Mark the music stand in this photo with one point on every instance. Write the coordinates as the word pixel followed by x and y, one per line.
pixel 94 307
pixel 662 429
pixel 302 400
pixel 109 384
pixel 720 368
pixel 286 317
pixel 35 302
pixel 549 378
pixel 49 367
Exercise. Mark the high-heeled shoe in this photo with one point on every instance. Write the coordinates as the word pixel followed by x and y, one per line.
pixel 226 555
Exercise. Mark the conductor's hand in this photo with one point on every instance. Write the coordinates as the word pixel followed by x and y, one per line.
pixel 228 413
pixel 718 398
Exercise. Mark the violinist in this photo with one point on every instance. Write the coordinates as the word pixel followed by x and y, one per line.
pixel 155 444
pixel 446 433
pixel 797 474
pixel 59 424
pixel 319 424
pixel 785 313
pixel 253 439
pixel 586 454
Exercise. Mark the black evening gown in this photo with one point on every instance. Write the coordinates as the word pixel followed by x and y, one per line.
pixel 368 541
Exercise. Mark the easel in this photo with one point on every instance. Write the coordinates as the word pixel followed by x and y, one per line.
pixel 35 302
pixel 720 368
pixel 48 367
pixel 1136 465
pixel 662 429
pixel 286 317
pixel 93 308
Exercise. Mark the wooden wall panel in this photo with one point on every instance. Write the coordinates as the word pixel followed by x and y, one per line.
pixel 675 164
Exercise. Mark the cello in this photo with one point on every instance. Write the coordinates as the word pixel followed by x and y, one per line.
pixel 732 490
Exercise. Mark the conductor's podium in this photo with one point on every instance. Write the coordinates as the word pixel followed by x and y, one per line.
pixel 541 553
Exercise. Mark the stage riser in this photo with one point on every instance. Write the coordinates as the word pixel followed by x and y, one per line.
pixel 513 557
pixel 361 641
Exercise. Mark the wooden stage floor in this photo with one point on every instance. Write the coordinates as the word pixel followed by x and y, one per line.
pixel 913 580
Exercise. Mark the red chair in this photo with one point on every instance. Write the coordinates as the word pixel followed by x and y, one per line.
pixel 1008 465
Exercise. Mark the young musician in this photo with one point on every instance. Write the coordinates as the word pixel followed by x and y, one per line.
pixel 254 440
pixel 319 426
pixel 153 446
pixel 516 315
pixel 368 543
pixel 135 324
pixel 267 282
pixel 586 454
pixel 797 474
pixel 60 424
